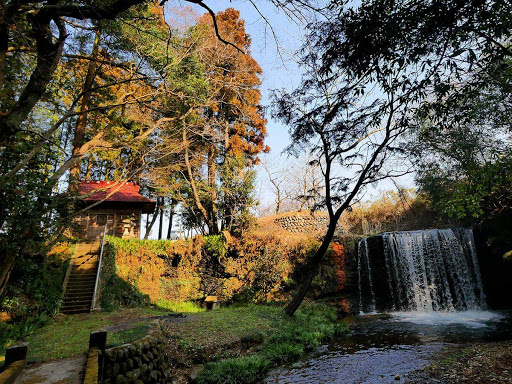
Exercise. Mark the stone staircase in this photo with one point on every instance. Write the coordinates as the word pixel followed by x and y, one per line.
pixel 79 289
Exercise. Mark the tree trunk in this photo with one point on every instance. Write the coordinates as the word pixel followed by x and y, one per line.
pixel 161 222
pixel 313 265
pixel 171 213
pixel 212 209
pixel 6 269
pixel 48 56
pixel 153 219
pixel 212 229
pixel 81 124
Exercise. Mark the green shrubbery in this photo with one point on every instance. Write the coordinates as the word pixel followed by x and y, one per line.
pixel 33 296
pixel 216 246
pixel 186 306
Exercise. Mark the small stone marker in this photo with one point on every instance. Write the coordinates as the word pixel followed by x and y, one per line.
pixel 98 339
pixel 16 353
pixel 211 302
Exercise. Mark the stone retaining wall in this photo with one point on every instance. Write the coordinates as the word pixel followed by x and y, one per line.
pixel 143 361
pixel 303 222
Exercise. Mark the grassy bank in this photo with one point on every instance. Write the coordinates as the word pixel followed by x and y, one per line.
pixel 69 335
pixel 241 344
pixel 236 344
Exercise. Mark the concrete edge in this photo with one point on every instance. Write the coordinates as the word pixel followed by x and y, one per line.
pixel 9 375
pixel 91 366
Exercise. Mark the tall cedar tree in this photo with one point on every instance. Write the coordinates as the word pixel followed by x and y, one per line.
pixel 233 120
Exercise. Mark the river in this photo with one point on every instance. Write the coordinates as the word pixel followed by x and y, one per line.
pixel 387 348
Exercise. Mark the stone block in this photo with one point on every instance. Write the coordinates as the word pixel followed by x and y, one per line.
pixel 98 339
pixel 16 353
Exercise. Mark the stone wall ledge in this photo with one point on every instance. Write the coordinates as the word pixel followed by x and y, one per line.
pixel 9 375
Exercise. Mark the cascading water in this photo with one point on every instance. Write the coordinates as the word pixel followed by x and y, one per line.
pixel 432 270
pixel 364 270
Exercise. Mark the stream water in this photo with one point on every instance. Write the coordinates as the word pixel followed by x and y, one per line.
pixel 386 348
pixel 433 296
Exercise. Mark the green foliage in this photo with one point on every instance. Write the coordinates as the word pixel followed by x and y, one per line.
pixel 216 246
pixel 237 194
pixel 126 336
pixel 33 297
pixel 247 369
pixel 11 332
pixel 475 194
pixel 287 341
pixel 117 244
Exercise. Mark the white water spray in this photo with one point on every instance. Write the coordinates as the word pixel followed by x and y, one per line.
pixel 432 270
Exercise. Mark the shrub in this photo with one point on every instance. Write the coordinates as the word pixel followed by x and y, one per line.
pixel 247 369
pixel 216 246
pixel 187 306
pixel 114 291
pixel 34 294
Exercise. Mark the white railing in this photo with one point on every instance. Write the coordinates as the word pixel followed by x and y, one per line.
pixel 100 260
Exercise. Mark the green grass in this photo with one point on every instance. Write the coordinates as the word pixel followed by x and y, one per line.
pixel 185 307
pixel 128 335
pixel 281 339
pixel 453 358
pixel 69 335
pixel 224 326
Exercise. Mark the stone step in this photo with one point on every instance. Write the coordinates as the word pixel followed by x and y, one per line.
pixel 75 311
pixel 76 304
pixel 75 288
pixel 84 281
pixel 86 263
pixel 82 276
pixel 78 296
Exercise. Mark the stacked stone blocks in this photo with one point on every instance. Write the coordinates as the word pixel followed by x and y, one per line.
pixel 303 222
pixel 144 361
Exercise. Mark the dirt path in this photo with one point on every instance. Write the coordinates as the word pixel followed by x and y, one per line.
pixel 68 371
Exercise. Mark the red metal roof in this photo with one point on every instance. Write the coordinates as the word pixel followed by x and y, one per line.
pixel 112 191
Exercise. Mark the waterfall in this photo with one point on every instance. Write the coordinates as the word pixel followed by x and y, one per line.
pixel 364 269
pixel 431 270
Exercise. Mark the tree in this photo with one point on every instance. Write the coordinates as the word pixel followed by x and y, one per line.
pixel 225 126
pixel 122 92
pixel 456 45
pixel 408 51
pixel 351 141
pixel 463 157
pixel 296 185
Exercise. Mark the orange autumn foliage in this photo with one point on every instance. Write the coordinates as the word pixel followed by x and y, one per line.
pixel 235 111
